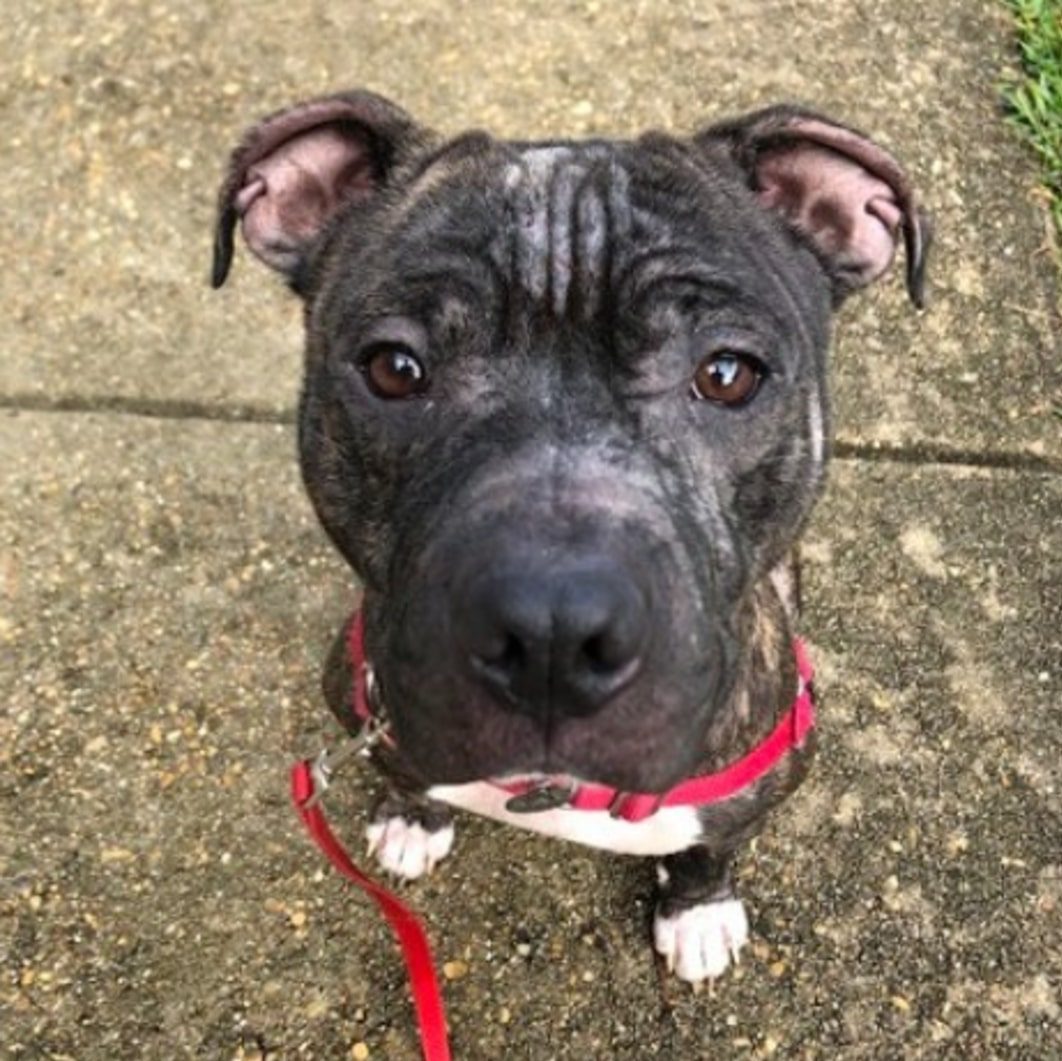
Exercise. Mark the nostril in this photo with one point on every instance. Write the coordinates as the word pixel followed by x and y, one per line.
pixel 603 654
pixel 507 655
pixel 603 664
pixel 594 652
pixel 508 668
pixel 514 656
pixel 607 629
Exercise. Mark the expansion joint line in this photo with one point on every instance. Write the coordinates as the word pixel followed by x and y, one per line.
pixel 914 453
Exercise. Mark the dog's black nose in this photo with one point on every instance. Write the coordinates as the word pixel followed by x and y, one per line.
pixel 562 641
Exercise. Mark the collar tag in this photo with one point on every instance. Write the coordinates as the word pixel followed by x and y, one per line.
pixel 547 795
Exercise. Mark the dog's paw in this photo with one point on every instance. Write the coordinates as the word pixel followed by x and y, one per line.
pixel 698 943
pixel 407 849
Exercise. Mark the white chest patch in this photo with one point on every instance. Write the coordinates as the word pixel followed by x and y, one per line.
pixel 670 830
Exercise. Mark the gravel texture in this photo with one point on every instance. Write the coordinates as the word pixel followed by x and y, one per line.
pixel 166 597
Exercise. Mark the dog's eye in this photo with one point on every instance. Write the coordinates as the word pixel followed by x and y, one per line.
pixel 728 378
pixel 394 372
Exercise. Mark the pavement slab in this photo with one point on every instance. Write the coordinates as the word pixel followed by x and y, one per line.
pixel 167 601
pixel 117 117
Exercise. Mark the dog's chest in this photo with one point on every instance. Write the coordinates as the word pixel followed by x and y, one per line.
pixel 668 831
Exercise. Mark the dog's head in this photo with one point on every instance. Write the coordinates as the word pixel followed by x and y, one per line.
pixel 564 407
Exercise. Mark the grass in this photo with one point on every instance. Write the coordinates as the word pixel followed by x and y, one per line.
pixel 1035 100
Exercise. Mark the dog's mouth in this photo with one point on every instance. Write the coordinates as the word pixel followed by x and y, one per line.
pixel 541 769
pixel 641 743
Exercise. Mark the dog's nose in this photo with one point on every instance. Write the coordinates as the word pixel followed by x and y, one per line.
pixel 558 642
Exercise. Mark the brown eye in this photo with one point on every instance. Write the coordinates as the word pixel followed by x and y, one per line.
pixel 728 378
pixel 393 372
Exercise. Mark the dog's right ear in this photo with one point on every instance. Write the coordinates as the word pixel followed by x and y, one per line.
pixel 296 169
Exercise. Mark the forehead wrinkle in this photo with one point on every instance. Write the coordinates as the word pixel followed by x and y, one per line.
pixel 563 202
pixel 592 259
pixel 528 189
pixel 562 235
pixel 663 266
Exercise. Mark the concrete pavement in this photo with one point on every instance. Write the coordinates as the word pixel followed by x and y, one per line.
pixel 167 597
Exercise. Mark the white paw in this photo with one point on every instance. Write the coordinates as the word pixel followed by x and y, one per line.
pixel 699 943
pixel 407 849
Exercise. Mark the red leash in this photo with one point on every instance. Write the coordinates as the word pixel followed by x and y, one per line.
pixel 427 998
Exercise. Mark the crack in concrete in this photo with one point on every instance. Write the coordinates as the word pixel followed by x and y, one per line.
pixel 927 453
pixel 152 408
pixel 915 453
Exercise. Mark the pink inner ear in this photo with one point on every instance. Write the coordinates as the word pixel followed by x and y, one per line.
pixel 851 215
pixel 287 196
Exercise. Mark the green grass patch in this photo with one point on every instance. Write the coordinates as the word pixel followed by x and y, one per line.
pixel 1035 100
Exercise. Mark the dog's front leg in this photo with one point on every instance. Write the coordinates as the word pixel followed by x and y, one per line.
pixel 409 832
pixel 700 925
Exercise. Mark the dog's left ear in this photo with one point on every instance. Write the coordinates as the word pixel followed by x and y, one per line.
pixel 838 189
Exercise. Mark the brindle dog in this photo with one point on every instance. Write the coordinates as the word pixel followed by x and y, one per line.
pixel 565 414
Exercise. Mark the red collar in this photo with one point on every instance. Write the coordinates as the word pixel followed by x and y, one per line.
pixel 698 791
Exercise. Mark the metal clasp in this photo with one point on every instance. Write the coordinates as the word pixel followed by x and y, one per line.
pixel 327 762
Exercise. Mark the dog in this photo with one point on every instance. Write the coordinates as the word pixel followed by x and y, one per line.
pixel 565 415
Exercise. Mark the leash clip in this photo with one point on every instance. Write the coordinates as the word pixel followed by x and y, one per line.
pixel 327 762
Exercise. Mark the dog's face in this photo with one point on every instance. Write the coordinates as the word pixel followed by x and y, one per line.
pixel 565 405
